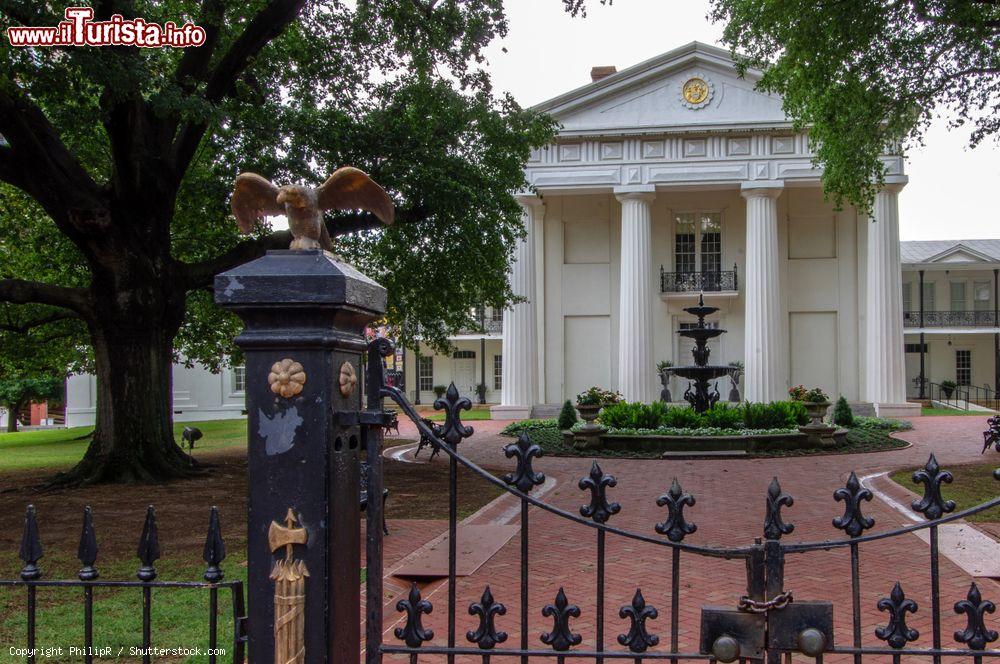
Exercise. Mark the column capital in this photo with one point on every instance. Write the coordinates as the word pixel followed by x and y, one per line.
pixel 766 188
pixel 635 192
pixel 894 184
pixel 530 200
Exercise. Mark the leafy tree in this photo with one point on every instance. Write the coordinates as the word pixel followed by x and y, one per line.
pixel 122 159
pixel 34 359
pixel 867 76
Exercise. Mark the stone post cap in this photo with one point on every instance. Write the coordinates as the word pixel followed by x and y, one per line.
pixel 299 279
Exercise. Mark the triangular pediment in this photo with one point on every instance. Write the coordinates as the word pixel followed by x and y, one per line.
pixel 960 254
pixel 651 96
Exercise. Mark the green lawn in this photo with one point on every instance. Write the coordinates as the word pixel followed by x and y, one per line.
pixel 973 485
pixel 952 411
pixel 60 448
pixel 467 415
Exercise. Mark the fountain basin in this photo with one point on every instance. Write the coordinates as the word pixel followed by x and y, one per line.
pixel 701 373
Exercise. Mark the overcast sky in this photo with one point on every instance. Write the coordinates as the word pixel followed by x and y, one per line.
pixel 952 190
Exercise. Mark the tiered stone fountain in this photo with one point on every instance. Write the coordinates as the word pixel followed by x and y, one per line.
pixel 699 394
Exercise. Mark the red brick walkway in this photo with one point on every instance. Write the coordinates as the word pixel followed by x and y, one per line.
pixel 729 512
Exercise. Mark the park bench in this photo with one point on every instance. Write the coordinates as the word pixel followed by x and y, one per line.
pixel 425 441
pixel 364 495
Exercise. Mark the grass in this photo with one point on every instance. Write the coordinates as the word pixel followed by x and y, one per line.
pixel 179 615
pixel 467 415
pixel 973 485
pixel 858 440
pixel 951 411
pixel 61 448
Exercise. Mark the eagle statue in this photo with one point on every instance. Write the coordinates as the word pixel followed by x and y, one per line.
pixel 347 189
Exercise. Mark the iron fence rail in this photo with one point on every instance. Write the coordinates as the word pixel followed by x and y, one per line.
pixel 766 592
pixel 964 397
pixel 31 579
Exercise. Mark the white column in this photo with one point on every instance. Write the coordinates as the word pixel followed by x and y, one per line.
pixel 884 369
pixel 636 365
pixel 764 344
pixel 520 347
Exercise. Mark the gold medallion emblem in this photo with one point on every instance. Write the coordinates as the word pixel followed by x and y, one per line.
pixel 695 91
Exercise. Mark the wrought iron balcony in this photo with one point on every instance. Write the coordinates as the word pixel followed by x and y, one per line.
pixel 950 319
pixel 484 326
pixel 697 282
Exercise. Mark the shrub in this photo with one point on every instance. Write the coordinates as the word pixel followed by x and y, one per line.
pixel 439 390
pixel 842 414
pixel 567 416
pixel 519 427
pixel 633 415
pixel 681 418
pixel 815 395
pixel 774 415
pixel 881 424
pixel 724 416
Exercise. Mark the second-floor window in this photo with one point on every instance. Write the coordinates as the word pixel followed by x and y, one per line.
pixel 958 301
pixel 982 299
pixel 911 297
pixel 698 242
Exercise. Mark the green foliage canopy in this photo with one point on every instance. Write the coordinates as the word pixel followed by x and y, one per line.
pixel 866 77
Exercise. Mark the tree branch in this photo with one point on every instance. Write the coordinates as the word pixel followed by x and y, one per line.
pixel 19 291
pixel 265 26
pixel 21 328
pixel 195 60
pixel 39 163
pixel 201 274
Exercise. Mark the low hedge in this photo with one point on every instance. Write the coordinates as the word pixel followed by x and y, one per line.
pixel 520 426
pixel 777 415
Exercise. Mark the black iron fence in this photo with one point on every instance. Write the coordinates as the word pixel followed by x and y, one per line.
pixel 950 319
pixel 697 282
pixel 89 581
pixel 765 624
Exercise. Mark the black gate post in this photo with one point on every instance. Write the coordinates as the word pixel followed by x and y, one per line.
pixel 305 315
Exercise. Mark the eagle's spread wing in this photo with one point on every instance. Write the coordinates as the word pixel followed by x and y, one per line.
pixel 351 189
pixel 253 198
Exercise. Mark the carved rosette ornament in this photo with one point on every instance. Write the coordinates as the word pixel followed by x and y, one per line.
pixel 348 379
pixel 289 576
pixel 287 378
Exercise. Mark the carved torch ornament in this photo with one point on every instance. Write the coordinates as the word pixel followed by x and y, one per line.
pixel 289 576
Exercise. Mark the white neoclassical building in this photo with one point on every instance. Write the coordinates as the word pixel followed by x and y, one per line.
pixel 675 177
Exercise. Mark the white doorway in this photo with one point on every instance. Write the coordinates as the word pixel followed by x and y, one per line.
pixel 463 372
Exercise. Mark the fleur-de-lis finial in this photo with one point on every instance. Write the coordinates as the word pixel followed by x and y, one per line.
pixel 86 552
pixel 524 477
pixel 215 548
pixel 638 639
pixel 599 509
pixel 932 505
pixel 453 404
pixel 486 635
pixel 897 634
pixel 413 632
pixel 676 526
pixel 774 525
pixel 31 546
pixel 149 546
pixel 561 638
pixel 975 635
pixel 854 523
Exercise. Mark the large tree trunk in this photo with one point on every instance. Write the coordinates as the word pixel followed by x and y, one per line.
pixel 139 308
pixel 12 412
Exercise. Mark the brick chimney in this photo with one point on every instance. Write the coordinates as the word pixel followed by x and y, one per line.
pixel 597 73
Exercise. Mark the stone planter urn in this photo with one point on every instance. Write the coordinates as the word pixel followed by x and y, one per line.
pixel 589 435
pixel 816 411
